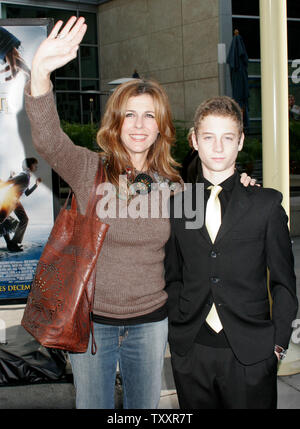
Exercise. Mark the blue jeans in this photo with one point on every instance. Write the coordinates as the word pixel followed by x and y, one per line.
pixel 140 351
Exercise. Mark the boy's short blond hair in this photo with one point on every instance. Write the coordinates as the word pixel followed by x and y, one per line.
pixel 219 106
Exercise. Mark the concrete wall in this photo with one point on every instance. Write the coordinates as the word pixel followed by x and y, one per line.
pixel 173 41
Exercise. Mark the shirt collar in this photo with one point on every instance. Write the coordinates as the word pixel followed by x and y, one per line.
pixel 227 185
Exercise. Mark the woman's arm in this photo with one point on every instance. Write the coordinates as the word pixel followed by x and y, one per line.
pixel 69 161
pixel 57 50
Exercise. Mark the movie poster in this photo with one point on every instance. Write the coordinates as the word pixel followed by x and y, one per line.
pixel 26 199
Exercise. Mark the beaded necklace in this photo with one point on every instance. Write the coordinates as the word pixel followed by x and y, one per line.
pixel 141 182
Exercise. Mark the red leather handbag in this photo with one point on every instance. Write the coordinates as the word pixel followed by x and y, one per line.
pixel 60 303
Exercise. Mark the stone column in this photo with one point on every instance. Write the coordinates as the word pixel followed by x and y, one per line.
pixel 274 75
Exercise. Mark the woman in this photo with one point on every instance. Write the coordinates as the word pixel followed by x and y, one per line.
pixel 130 311
pixel 10 56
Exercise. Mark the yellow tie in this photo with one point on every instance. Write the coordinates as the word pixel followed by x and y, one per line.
pixel 213 222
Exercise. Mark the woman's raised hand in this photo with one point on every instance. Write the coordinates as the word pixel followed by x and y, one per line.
pixel 57 50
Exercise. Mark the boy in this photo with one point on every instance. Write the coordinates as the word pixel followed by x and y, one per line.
pixel 20 183
pixel 225 342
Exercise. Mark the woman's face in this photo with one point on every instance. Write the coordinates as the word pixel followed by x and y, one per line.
pixel 139 130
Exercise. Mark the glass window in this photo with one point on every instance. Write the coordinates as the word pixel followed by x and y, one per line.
pixel 255 127
pixel 67 84
pixel 90 85
pixel 81 74
pixel 250 32
pixel 69 70
pixel 91 108
pixel 90 36
pixel 293 8
pixel 254 68
pixel 68 106
pixel 245 7
pixel 294 89
pixel 89 67
pixel 293 39
pixel 255 98
pixel 38 12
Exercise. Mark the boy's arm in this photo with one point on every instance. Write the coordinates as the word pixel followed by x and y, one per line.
pixel 280 261
pixel 30 190
pixel 173 273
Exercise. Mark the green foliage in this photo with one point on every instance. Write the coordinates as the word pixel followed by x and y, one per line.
pixel 252 151
pixel 294 133
pixel 85 135
pixel 181 146
pixel 294 127
pixel 82 134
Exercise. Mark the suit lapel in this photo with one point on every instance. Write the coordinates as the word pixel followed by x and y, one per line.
pixel 238 205
pixel 203 231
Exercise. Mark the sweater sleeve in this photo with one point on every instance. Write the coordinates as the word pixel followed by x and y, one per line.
pixel 75 164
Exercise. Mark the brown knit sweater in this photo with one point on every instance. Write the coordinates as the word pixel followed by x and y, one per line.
pixel 130 270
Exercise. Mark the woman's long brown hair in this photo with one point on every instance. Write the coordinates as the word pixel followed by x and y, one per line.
pixel 16 63
pixel 159 157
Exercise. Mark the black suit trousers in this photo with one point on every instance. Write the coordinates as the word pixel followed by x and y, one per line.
pixel 212 378
pixel 23 222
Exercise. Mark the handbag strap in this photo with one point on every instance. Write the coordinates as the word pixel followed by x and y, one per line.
pixel 73 201
pixel 90 208
pixel 93 199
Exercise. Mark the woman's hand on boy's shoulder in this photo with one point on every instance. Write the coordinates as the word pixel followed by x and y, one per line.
pixel 247 180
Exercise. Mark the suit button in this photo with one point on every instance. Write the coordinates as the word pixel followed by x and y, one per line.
pixel 213 254
pixel 215 280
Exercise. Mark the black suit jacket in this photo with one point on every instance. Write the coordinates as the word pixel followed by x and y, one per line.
pixel 233 271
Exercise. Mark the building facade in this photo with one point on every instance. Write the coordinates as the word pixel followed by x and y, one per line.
pixel 173 41
pixel 176 42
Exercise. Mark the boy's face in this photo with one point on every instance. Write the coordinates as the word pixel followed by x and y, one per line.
pixel 34 167
pixel 218 143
